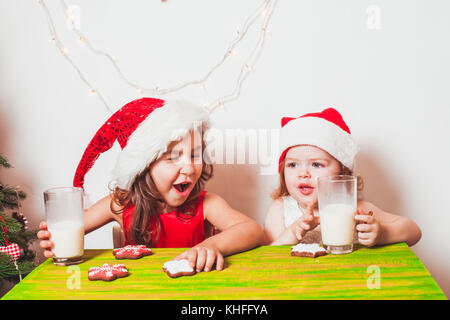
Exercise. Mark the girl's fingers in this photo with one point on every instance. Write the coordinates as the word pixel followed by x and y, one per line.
pixel 364 218
pixel 306 218
pixel 46 244
pixel 48 254
pixel 210 259
pixel 361 212
pixel 299 232
pixel 363 241
pixel 43 225
pixel 43 235
pixel 304 226
pixel 367 243
pixel 219 263
pixel 201 259
pixel 190 256
pixel 364 227
pixel 364 235
pixel 184 255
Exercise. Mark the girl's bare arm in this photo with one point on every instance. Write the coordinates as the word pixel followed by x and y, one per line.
pixel 238 231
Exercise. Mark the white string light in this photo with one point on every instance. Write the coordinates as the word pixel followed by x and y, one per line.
pixel 267 12
pixel 55 39
pixel 157 91
pixel 264 11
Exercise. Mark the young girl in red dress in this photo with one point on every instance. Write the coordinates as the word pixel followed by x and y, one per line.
pixel 159 197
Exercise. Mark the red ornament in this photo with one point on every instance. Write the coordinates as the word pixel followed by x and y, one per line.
pixel 13 249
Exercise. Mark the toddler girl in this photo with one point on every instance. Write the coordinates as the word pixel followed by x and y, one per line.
pixel 160 174
pixel 312 146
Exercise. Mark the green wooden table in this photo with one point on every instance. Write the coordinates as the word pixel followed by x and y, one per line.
pixel 268 272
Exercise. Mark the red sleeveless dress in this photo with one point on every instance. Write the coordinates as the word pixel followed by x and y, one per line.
pixel 178 230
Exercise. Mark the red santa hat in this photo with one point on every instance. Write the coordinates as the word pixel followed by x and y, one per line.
pixel 143 128
pixel 326 130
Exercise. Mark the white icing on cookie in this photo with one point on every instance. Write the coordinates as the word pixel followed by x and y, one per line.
pixel 308 247
pixel 176 266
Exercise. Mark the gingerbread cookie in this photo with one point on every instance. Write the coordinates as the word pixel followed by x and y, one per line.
pixel 311 250
pixel 178 268
pixel 132 252
pixel 108 272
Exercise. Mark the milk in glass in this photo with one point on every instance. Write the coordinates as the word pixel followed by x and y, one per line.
pixel 68 239
pixel 337 199
pixel 337 222
pixel 65 222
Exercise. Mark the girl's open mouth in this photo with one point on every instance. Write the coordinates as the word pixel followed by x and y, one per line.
pixel 306 189
pixel 182 188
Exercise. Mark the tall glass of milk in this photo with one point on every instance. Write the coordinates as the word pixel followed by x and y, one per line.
pixel 337 198
pixel 65 222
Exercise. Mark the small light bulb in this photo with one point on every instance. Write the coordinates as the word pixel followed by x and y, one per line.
pixel 64 51
pixel 92 92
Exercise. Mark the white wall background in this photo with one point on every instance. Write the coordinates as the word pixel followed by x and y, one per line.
pixel 391 84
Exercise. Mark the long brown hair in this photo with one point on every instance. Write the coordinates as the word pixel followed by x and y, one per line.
pixel 145 224
pixel 282 190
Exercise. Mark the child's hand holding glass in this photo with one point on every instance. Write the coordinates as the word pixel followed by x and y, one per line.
pixel 368 228
pixel 45 243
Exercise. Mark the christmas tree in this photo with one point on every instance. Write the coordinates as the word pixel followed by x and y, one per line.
pixel 14 234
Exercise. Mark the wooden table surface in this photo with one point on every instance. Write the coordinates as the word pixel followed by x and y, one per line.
pixel 265 273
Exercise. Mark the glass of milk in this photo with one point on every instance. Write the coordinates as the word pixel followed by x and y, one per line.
pixel 65 222
pixel 337 198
